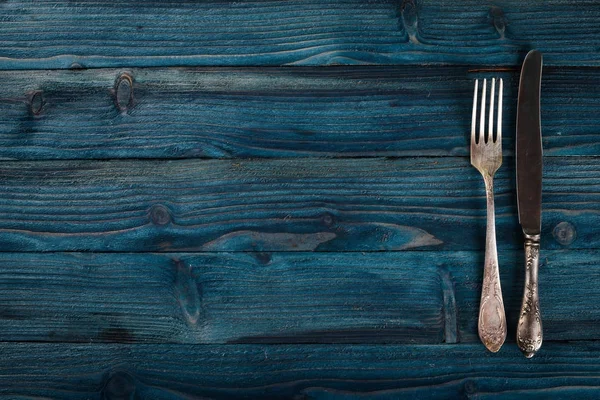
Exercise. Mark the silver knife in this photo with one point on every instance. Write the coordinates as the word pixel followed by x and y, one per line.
pixel 529 198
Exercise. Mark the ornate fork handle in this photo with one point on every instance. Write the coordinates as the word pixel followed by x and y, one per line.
pixel 492 320
pixel 529 331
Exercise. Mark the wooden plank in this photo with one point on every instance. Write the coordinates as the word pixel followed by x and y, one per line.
pixel 279 112
pixel 275 298
pixel 64 34
pixel 68 371
pixel 568 287
pixel 219 298
pixel 283 205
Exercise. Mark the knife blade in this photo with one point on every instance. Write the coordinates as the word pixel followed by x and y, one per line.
pixel 529 145
pixel 529 197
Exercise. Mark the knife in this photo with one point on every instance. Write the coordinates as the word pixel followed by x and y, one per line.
pixel 529 198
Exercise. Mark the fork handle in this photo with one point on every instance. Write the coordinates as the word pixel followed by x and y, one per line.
pixel 492 320
pixel 529 331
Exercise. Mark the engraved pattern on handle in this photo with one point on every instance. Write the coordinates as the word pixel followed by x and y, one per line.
pixel 529 331
pixel 492 319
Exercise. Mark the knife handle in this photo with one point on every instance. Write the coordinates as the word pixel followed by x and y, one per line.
pixel 492 319
pixel 529 331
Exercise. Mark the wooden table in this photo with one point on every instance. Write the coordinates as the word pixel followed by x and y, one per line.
pixel 274 199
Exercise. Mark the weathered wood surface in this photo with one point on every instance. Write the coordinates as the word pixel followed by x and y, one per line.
pixel 403 297
pixel 273 272
pixel 67 34
pixel 93 371
pixel 275 112
pixel 219 298
pixel 365 204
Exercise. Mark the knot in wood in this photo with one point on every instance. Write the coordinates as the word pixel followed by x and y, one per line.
pixel 470 387
pixel 160 215
pixel 564 233
pixel 36 102
pixel 498 20
pixel 120 385
pixel 124 92
pixel 327 219
pixel 410 19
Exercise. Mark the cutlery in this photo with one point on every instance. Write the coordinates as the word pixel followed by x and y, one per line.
pixel 486 156
pixel 529 198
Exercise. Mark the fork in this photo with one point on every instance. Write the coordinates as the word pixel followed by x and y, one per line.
pixel 486 156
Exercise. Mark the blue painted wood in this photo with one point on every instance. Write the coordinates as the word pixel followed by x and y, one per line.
pixel 315 253
pixel 283 112
pixel 133 33
pixel 275 298
pixel 219 298
pixel 77 371
pixel 283 205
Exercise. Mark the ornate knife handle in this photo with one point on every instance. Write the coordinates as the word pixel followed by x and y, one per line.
pixel 529 331
pixel 492 320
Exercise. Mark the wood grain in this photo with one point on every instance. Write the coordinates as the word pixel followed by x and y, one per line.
pixel 252 242
pixel 275 298
pixel 283 205
pixel 69 371
pixel 275 112
pixel 219 298
pixel 132 33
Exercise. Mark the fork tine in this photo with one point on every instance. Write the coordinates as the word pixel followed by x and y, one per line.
pixel 474 118
pixel 490 136
pixel 482 115
pixel 499 126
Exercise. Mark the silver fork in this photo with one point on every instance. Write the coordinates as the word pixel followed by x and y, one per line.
pixel 486 156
